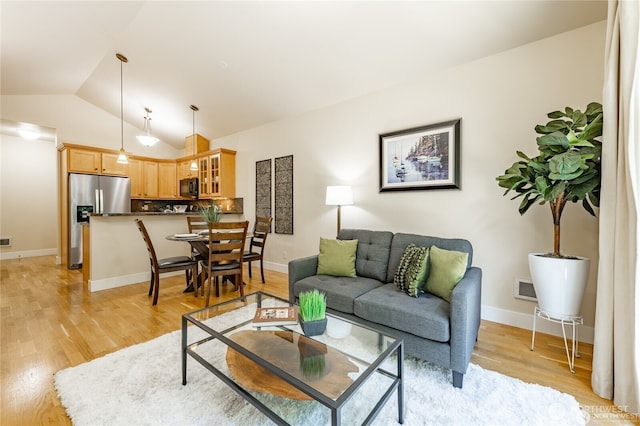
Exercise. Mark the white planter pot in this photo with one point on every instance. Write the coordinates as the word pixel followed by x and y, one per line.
pixel 559 284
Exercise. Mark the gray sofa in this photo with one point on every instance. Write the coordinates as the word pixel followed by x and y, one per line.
pixel 433 329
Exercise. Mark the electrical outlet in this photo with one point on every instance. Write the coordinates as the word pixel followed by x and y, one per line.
pixel 284 255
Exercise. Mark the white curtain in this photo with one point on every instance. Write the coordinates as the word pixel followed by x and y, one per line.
pixel 616 350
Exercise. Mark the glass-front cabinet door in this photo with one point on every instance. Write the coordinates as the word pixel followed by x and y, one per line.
pixel 215 174
pixel 204 177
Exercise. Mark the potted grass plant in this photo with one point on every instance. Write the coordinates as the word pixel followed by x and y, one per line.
pixel 312 318
pixel 566 169
pixel 211 212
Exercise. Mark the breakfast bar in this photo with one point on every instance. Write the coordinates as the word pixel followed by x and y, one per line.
pixel 117 255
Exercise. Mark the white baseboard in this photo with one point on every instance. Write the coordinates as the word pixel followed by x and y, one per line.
pixel 142 277
pixel 278 267
pixel 6 255
pixel 525 321
pixel 489 313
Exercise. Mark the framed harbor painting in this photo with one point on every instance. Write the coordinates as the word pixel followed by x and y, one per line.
pixel 426 157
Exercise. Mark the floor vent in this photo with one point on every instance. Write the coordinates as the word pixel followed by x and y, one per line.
pixel 523 289
pixel 5 242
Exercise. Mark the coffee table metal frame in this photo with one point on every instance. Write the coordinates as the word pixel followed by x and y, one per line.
pixel 395 346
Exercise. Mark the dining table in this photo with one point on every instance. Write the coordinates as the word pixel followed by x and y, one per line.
pixel 199 241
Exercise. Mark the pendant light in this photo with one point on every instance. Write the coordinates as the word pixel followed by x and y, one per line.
pixel 194 164
pixel 147 139
pixel 122 157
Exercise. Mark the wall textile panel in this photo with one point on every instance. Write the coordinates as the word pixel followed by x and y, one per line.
pixel 263 188
pixel 284 195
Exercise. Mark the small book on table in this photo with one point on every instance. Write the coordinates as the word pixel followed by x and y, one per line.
pixel 287 315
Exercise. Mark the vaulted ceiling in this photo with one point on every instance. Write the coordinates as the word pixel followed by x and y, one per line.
pixel 249 63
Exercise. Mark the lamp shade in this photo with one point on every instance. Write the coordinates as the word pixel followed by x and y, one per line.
pixel 340 195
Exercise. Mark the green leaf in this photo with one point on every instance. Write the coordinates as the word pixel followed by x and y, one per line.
pixel 556 190
pixel 553 126
pixel 593 109
pixel 579 119
pixel 593 129
pixel 553 139
pixel 541 184
pixel 565 165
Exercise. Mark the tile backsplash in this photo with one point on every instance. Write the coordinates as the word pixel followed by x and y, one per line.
pixel 228 205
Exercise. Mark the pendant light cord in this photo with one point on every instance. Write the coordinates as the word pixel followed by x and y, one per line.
pixel 121 110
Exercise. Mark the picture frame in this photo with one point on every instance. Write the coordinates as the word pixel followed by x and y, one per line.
pixel 426 157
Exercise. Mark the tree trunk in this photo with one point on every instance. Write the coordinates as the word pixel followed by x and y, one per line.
pixel 556 211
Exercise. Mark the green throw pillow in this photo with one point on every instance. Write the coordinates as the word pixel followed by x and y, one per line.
pixel 447 267
pixel 337 258
pixel 412 270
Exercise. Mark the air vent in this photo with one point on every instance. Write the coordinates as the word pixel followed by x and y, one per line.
pixel 5 241
pixel 523 289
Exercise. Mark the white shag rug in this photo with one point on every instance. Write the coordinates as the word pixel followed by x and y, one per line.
pixel 142 385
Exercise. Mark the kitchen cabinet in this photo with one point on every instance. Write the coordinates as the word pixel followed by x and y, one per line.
pixel 110 165
pixel 184 170
pixel 167 182
pixel 94 162
pixel 223 173
pixel 150 179
pixel 204 177
pixel 217 174
pixel 134 172
pixel 83 161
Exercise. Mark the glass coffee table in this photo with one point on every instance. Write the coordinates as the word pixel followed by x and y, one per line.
pixel 350 366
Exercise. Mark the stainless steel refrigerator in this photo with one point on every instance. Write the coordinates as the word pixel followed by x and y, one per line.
pixel 93 194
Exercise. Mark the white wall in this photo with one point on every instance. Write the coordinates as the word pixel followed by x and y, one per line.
pixel 499 99
pixel 28 197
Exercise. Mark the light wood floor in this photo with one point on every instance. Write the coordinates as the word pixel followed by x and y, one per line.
pixel 49 321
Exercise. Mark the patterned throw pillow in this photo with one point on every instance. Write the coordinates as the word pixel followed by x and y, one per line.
pixel 417 272
pixel 412 270
pixel 403 266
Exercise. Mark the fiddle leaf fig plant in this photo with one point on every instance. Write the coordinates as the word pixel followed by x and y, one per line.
pixel 566 169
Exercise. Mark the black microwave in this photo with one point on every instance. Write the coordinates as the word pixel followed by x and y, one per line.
pixel 189 188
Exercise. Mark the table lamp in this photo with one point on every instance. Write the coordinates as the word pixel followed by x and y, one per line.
pixel 339 196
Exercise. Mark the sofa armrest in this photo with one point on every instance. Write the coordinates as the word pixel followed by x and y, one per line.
pixel 465 318
pixel 299 269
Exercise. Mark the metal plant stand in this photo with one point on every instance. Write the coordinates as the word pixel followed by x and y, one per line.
pixel 573 321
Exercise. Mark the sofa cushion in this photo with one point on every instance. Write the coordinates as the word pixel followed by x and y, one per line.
pixel 425 316
pixel 337 258
pixel 446 270
pixel 372 257
pixel 341 291
pixel 401 241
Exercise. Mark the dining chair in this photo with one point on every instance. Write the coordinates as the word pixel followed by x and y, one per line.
pixel 258 240
pixel 168 264
pixel 226 249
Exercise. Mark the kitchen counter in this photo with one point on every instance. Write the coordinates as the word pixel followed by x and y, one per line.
pixel 117 253
pixel 144 214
